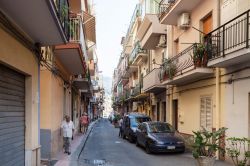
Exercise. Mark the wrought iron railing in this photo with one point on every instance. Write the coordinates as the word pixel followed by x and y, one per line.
pixel 165 6
pixel 192 57
pixel 75 29
pixel 230 37
pixel 137 50
pixel 62 7
pixel 137 90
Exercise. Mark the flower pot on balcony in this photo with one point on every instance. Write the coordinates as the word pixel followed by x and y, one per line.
pixel 197 63
pixel 205 60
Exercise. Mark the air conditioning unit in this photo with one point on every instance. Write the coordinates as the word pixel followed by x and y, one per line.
pixel 134 107
pixel 184 21
pixel 163 41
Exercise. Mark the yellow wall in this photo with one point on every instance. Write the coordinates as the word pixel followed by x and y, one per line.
pixel 19 58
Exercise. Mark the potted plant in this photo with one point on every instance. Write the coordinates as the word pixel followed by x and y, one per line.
pixel 238 151
pixel 206 144
pixel 168 69
pixel 198 56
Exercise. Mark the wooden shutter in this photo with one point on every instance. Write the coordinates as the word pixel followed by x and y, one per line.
pixel 206 116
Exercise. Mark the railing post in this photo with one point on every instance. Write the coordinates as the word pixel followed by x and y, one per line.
pixel 223 41
pixel 247 31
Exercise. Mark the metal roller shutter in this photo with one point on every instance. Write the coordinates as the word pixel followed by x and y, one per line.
pixel 12 122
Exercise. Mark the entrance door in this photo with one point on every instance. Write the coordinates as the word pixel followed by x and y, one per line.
pixel 175 114
pixel 164 111
pixel 12 117
pixel 158 111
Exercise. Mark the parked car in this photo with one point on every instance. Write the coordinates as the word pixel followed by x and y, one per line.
pixel 159 137
pixel 130 124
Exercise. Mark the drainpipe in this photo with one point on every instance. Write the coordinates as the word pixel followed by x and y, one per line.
pixel 218 99
pixel 38 104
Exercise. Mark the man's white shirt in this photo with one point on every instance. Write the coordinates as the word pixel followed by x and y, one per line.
pixel 67 128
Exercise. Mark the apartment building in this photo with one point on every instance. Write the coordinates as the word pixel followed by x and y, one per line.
pixel 67 84
pixel 230 53
pixel 143 52
pixel 21 40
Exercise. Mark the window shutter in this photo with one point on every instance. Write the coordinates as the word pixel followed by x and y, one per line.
pixel 206 119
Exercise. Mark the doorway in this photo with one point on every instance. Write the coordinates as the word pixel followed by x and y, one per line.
pixel 175 114
pixel 158 111
pixel 164 111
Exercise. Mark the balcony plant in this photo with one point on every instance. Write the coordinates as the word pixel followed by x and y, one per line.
pixel 206 144
pixel 238 151
pixel 199 55
pixel 168 69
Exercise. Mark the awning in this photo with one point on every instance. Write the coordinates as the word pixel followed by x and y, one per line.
pixel 89 27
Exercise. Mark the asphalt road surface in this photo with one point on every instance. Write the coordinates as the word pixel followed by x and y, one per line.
pixel 105 148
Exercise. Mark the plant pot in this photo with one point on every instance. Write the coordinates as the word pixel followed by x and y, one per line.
pixel 205 161
pixel 197 63
pixel 204 60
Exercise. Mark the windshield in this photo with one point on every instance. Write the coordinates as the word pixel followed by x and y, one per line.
pixel 135 121
pixel 160 128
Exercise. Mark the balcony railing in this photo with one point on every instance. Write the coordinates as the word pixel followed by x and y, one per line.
pixel 230 37
pixel 62 7
pixel 165 6
pixel 189 59
pixel 137 50
pixel 75 29
pixel 137 90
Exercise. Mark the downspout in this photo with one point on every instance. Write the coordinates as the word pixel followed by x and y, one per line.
pixel 218 97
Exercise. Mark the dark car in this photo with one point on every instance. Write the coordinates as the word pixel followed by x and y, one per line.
pixel 130 124
pixel 159 137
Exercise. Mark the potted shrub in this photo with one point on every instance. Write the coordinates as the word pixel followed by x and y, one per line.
pixel 238 151
pixel 206 144
pixel 168 69
pixel 199 51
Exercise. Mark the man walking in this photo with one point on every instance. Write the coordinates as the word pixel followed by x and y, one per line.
pixel 68 130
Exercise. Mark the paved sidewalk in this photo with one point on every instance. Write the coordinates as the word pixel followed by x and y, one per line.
pixel 76 147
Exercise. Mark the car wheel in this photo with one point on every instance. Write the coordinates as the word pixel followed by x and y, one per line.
pixel 137 143
pixel 123 135
pixel 148 150
pixel 130 138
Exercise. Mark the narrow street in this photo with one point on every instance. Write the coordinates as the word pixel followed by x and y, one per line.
pixel 105 148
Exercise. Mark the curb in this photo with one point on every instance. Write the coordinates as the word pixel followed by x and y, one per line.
pixel 79 150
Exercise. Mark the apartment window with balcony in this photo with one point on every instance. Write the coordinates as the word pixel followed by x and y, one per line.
pixel 206 115
pixel 150 7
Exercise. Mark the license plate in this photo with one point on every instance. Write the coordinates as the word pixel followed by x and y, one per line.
pixel 171 147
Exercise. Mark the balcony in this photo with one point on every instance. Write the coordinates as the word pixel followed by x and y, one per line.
pixel 136 90
pixel 81 82
pixel 44 21
pixel 72 54
pixel 151 82
pixel 229 44
pixel 188 66
pixel 138 55
pixel 150 31
pixel 170 10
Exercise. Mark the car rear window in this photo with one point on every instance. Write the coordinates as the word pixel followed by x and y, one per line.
pixel 137 120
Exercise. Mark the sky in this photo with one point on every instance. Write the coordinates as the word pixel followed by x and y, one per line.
pixel 112 21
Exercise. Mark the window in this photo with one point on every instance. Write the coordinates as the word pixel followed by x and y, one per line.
pixel 206 119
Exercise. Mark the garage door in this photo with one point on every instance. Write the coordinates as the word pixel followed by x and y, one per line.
pixel 12 122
